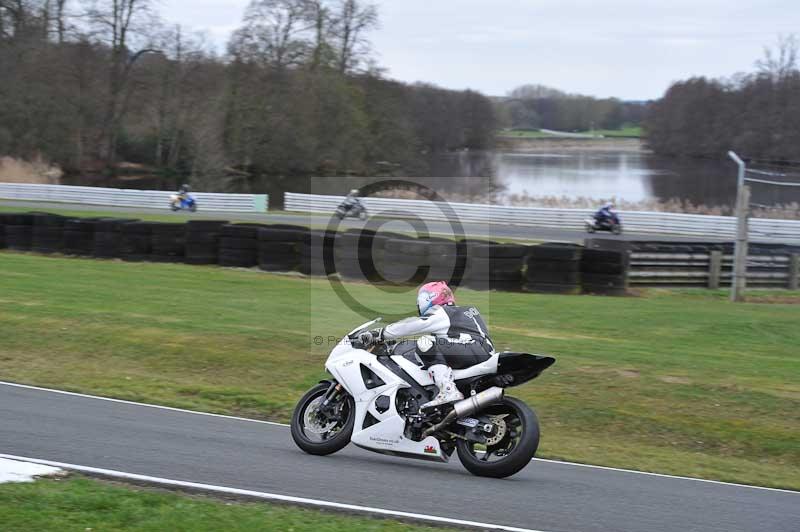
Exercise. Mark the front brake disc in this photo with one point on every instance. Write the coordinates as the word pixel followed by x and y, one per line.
pixel 312 421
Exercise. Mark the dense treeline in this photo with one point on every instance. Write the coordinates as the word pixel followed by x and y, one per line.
pixel 540 107
pixel 101 87
pixel 757 115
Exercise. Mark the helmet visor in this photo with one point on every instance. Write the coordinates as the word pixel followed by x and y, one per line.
pixel 424 302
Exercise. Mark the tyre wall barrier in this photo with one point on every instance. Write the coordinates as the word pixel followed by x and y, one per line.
pixel 168 242
pixel 600 267
pixel 47 235
pixel 238 245
pixel 279 247
pixel 135 241
pixel 108 237
pixel 18 231
pixel 202 241
pixel 79 236
pixel 554 268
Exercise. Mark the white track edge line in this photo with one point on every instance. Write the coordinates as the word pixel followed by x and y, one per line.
pixel 558 462
pixel 268 496
pixel 664 475
pixel 147 405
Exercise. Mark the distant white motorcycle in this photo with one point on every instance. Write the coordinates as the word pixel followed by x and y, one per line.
pixel 374 396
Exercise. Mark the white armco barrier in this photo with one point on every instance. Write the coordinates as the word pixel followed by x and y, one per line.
pixel 664 223
pixel 118 197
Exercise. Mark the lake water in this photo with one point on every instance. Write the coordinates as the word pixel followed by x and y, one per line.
pixel 633 176
pixel 628 174
pixel 596 175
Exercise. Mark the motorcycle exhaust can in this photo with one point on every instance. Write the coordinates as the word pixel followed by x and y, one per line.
pixel 472 404
pixel 468 406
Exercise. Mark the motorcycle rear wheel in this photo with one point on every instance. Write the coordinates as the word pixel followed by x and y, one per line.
pixel 516 447
pixel 328 439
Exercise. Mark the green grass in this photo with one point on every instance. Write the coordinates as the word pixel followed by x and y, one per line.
pixel 627 131
pixel 82 504
pixel 526 134
pixel 301 219
pixel 167 216
pixel 679 382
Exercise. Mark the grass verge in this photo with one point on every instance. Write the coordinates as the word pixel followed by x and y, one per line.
pixel 679 382
pixel 625 132
pixel 525 134
pixel 97 211
pixel 78 503
pixel 302 219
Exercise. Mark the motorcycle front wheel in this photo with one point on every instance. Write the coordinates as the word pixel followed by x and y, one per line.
pixel 616 229
pixel 509 448
pixel 589 228
pixel 320 434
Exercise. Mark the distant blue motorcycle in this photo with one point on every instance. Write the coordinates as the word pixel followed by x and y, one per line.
pixel 184 202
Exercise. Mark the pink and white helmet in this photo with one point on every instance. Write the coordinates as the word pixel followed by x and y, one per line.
pixel 433 294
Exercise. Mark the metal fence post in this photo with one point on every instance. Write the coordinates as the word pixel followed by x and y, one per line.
pixel 740 253
pixel 739 282
pixel 714 269
pixel 794 271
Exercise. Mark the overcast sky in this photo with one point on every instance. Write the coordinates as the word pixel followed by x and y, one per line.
pixel 632 49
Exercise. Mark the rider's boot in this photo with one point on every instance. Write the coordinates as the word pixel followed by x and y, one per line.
pixel 448 393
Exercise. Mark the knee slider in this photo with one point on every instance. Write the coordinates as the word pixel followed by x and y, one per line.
pixel 424 344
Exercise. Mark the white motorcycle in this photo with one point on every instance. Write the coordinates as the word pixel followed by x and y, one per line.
pixel 374 396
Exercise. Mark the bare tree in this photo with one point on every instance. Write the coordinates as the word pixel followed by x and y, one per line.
pixel 273 33
pixel 320 20
pixel 179 93
pixel 61 26
pixel 780 62
pixel 16 17
pixel 120 24
pixel 353 19
pixel 32 18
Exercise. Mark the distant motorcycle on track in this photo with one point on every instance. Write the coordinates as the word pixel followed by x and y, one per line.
pixel 373 397
pixel 351 208
pixel 611 224
pixel 182 203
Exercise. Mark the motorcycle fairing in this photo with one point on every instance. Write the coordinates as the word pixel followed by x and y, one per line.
pixel 385 434
pixel 523 366
pixel 422 376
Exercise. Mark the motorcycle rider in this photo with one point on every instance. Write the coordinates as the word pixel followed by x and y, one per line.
pixel 183 191
pixel 452 336
pixel 351 200
pixel 605 214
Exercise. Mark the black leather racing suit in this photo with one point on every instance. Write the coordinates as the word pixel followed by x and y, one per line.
pixel 460 336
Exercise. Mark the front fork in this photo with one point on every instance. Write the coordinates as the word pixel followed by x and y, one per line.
pixel 330 400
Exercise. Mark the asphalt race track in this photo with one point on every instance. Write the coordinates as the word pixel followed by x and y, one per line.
pixel 548 496
pixel 321 220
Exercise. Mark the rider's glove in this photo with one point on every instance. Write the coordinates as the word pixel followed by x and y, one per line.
pixel 368 338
